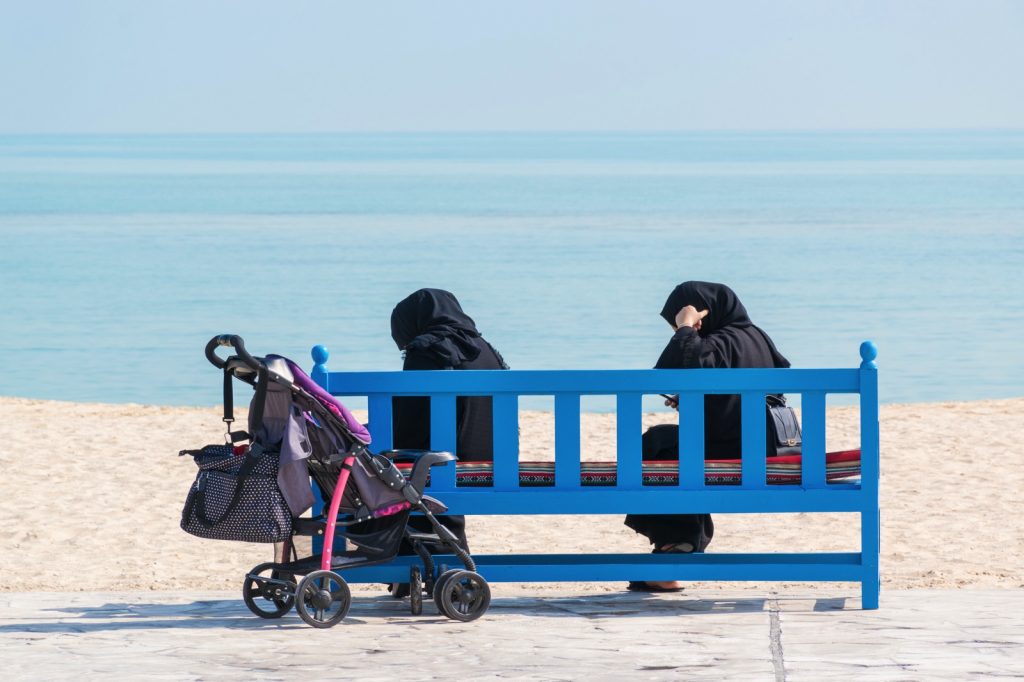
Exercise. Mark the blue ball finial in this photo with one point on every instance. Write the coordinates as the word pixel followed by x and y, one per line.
pixel 868 353
pixel 320 355
pixel 320 374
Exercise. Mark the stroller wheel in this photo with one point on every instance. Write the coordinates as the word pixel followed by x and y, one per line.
pixel 323 599
pixel 462 595
pixel 415 591
pixel 267 592
pixel 445 574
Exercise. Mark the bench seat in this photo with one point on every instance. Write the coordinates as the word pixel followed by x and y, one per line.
pixel 840 467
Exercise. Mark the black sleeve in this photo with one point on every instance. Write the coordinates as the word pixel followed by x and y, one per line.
pixel 687 349
pixel 411 416
pixel 420 361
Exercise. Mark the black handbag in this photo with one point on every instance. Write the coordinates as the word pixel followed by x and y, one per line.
pixel 236 497
pixel 783 428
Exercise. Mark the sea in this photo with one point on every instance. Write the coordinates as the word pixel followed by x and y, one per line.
pixel 120 256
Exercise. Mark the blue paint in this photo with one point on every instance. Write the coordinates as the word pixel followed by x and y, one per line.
pixel 870 518
pixel 442 437
pixel 628 495
pixel 319 372
pixel 589 382
pixel 506 441
pixel 753 409
pixel 628 441
pixel 813 448
pixel 567 441
pixel 691 440
pixel 868 353
pixel 831 566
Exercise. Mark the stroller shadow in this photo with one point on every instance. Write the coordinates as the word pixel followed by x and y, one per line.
pixel 233 615
pixel 118 616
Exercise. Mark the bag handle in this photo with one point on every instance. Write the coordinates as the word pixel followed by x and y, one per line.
pixel 229 402
pixel 261 397
pixel 258 407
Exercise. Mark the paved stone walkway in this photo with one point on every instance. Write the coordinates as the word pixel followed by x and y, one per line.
pixel 916 635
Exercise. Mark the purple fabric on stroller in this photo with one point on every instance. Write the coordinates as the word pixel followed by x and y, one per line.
pixel 306 383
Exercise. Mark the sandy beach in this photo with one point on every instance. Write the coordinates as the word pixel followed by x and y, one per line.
pixel 92 495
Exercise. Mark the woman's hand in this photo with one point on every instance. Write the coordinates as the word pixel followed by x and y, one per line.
pixel 690 317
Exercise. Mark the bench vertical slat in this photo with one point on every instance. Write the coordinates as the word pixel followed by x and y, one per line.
pixel 506 441
pixel 753 414
pixel 691 440
pixel 379 407
pixel 442 437
pixel 628 425
pixel 812 407
pixel 567 440
pixel 870 518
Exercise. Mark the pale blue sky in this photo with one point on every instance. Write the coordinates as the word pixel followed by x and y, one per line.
pixel 311 66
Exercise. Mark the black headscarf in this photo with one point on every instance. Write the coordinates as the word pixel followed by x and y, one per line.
pixel 725 311
pixel 431 322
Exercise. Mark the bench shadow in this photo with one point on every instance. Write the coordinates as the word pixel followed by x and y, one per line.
pixel 232 613
pixel 834 604
pixel 617 605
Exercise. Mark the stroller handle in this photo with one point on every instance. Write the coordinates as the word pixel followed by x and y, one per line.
pixel 232 341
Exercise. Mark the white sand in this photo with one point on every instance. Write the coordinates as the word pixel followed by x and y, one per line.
pixel 92 494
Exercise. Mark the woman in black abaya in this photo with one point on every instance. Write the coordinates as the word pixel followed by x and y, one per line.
pixel 711 329
pixel 431 329
pixel 433 332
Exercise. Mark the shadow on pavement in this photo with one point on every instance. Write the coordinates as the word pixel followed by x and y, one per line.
pixel 232 613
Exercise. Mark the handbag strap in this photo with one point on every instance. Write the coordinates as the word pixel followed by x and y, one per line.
pixel 258 406
pixel 261 398
pixel 229 400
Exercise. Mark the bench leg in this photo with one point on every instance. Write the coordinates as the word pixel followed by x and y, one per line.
pixel 869 594
pixel 869 550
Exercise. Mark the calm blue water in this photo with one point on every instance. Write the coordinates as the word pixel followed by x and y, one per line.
pixel 121 256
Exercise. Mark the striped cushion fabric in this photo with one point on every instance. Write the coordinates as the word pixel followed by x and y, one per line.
pixel 840 467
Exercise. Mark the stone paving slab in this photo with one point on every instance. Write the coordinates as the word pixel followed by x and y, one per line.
pixel 595 636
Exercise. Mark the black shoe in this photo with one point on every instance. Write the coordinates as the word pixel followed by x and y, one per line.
pixel 399 590
pixel 644 586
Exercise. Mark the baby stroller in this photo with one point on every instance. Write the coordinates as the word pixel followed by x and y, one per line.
pixel 311 435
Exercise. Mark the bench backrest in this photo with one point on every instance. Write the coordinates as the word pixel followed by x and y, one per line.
pixel 628 387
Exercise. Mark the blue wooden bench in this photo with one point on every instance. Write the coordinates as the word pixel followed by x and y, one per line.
pixel 628 494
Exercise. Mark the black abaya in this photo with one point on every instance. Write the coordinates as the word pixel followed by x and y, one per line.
pixel 726 338
pixel 435 334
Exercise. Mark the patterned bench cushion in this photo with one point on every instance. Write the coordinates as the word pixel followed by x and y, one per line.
pixel 840 467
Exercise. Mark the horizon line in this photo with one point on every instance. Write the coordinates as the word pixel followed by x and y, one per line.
pixel 520 131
